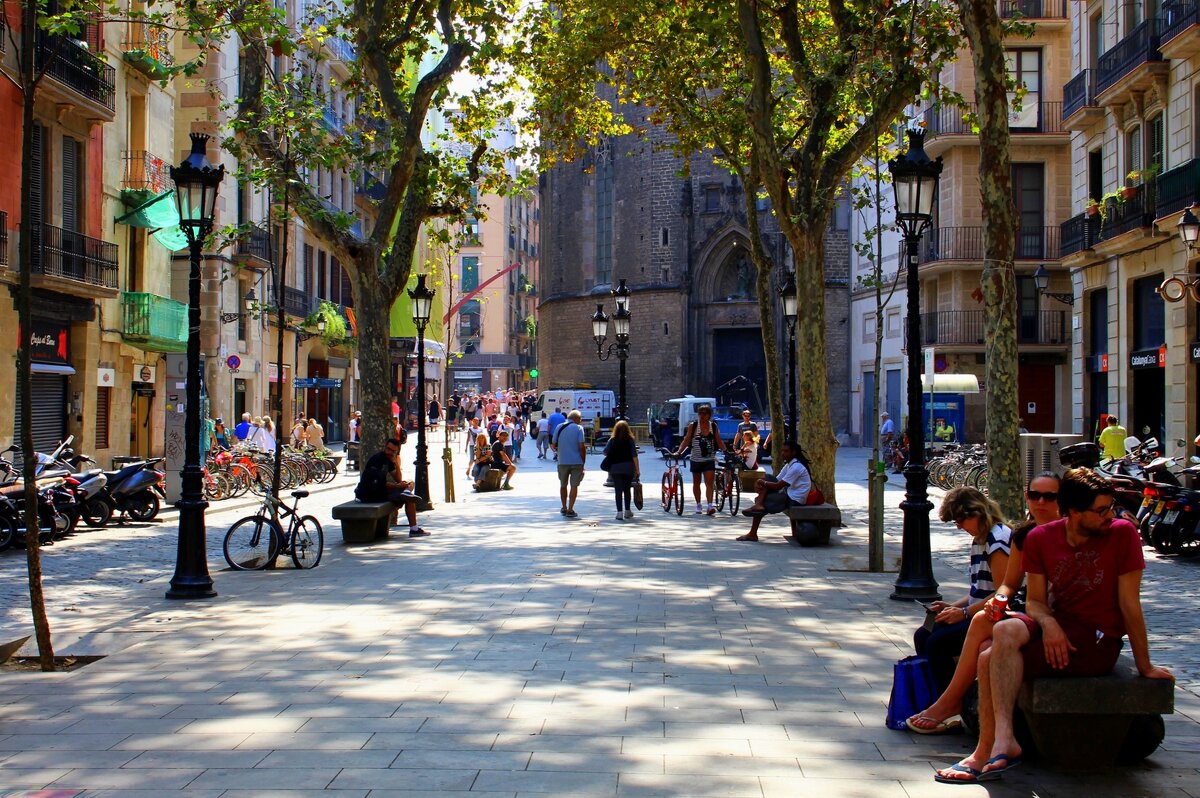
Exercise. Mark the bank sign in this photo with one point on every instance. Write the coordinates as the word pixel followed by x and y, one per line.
pixel 1149 358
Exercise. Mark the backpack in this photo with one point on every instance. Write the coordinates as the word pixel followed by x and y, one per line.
pixel 372 486
pixel 492 428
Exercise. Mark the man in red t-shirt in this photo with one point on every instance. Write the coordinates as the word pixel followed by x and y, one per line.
pixel 1084 575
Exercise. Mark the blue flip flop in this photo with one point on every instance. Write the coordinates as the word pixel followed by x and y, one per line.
pixel 1010 760
pixel 976 776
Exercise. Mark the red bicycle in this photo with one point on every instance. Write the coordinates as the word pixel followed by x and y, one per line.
pixel 672 483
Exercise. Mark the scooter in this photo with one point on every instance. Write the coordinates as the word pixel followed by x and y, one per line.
pixel 88 482
pixel 135 490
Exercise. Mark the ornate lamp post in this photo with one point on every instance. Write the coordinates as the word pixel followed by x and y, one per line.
pixel 1041 279
pixel 621 320
pixel 787 293
pixel 422 305
pixel 196 184
pixel 915 179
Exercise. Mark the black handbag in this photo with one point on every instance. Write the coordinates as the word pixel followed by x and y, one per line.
pixel 604 464
pixel 637 494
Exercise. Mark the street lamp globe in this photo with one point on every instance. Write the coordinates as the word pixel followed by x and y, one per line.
pixel 321 324
pixel 621 320
pixel 1041 278
pixel 196 184
pixel 787 293
pixel 915 180
pixel 599 325
pixel 250 301
pixel 621 296
pixel 1189 226
pixel 422 301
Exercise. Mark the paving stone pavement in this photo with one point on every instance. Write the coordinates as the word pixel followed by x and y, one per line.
pixel 514 653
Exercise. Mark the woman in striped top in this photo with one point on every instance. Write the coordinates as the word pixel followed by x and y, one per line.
pixel 977 515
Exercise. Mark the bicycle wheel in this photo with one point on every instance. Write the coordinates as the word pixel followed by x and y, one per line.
pixel 260 484
pixel 735 493
pixel 239 480
pixel 720 487
pixel 666 492
pixel 308 543
pixel 252 543
pixel 678 494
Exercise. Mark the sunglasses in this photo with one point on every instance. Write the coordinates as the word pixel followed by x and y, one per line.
pixel 1039 496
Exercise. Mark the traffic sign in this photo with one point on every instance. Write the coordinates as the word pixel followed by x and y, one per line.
pixel 234 362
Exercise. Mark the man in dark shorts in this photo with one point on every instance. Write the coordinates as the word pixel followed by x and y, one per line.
pixel 380 481
pixel 790 487
pixel 1091 563
pixel 501 459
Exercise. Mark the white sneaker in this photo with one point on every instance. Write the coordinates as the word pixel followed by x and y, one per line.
pixel 628 514
pixel 699 510
pixel 620 517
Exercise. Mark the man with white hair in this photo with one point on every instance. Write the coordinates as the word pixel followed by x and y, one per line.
pixel 242 430
pixel 887 429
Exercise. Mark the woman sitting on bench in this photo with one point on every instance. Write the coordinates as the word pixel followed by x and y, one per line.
pixel 791 487
pixel 381 481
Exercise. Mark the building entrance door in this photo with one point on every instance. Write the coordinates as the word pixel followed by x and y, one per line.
pixel 139 421
pixel 739 352
pixel 1149 403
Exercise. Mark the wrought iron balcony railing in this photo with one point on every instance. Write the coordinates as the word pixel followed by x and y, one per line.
pixel 145 170
pixel 1178 188
pixel 1079 93
pixel 1079 233
pixel 1033 9
pixel 256 244
pixel 1139 47
pixel 966 328
pixel 74 256
pixel 75 66
pixel 966 243
pixel 1177 16
pixel 154 323
pixel 1034 117
pixel 148 49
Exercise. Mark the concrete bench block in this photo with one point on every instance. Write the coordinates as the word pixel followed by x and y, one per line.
pixel 1085 722
pixel 822 517
pixel 491 480
pixel 749 478
pixel 364 522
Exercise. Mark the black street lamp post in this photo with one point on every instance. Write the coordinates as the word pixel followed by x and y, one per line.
pixel 422 305
pixel 621 320
pixel 915 179
pixel 196 184
pixel 787 292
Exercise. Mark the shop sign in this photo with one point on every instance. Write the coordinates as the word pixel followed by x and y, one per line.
pixel 105 378
pixel 145 373
pixel 50 342
pixel 1098 364
pixel 1155 358
pixel 1194 349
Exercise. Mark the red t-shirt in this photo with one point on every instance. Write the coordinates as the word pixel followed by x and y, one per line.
pixel 1082 580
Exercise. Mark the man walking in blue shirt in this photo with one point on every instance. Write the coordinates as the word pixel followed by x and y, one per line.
pixel 557 419
pixel 569 443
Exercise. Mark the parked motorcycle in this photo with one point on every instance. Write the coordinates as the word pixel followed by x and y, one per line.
pixel 135 490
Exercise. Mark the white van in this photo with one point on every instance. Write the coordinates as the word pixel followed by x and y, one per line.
pixel 589 403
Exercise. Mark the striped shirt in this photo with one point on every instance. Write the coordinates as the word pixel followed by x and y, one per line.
pixel 982 582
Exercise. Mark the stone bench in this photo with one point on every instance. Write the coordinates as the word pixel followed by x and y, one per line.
pixel 1097 721
pixel 491 480
pixel 823 516
pixel 364 522
pixel 749 479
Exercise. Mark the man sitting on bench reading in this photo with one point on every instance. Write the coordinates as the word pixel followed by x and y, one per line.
pixel 789 488
pixel 1091 564
pixel 381 482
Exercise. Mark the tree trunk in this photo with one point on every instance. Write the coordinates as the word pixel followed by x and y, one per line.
pixel 766 316
pixel 981 24
pixel 33 555
pixel 814 430
pixel 372 309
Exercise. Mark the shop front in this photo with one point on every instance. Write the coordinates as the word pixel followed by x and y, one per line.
pixel 51 367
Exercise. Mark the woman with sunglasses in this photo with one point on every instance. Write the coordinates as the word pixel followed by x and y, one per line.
pixel 1041 498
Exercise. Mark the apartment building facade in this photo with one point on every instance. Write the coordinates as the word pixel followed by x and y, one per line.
pixel 951 253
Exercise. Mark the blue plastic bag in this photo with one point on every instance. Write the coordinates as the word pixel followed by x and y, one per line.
pixel 913 690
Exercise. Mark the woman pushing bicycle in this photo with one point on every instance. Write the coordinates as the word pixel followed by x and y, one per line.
pixel 704 439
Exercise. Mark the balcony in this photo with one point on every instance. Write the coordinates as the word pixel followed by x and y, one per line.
pixel 147 48
pixel 333 121
pixel 3 238
pixel 146 171
pixel 299 303
pixel 1033 9
pixel 966 244
pixel 73 256
pixel 154 323
pixel 1080 109
pixel 1180 37
pixel 945 328
pixel 1035 118
pixel 371 187
pixel 1133 65
pixel 1078 234
pixel 1131 214
pixel 81 74
pixel 254 250
pixel 1178 188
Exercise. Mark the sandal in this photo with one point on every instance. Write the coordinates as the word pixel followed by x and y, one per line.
pixel 749 537
pixel 972 773
pixel 940 726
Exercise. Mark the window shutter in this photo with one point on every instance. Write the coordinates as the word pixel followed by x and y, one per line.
pixel 347 290
pixel 70 184
pixel 103 401
pixel 1157 142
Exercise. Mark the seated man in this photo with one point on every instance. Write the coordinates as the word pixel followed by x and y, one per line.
pixel 380 481
pixel 774 496
pixel 1091 563
pixel 501 459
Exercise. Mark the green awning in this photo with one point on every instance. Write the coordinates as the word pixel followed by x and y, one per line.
pixel 155 212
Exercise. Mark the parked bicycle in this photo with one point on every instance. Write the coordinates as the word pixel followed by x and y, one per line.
pixel 254 542
pixel 728 483
pixel 672 483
